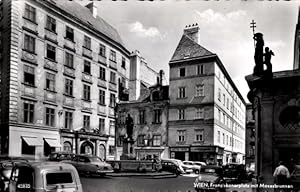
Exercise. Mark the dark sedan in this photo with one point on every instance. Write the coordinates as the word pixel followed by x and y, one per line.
pixel 210 179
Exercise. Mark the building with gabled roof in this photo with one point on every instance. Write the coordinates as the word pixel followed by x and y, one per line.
pixel 206 111
pixel 62 70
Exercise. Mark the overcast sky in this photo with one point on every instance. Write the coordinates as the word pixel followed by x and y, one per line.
pixel 155 28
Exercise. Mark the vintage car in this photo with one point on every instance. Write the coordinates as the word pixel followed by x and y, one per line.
pixel 44 176
pixel 210 179
pixel 194 165
pixel 175 166
pixel 90 165
pixel 60 156
pixel 235 173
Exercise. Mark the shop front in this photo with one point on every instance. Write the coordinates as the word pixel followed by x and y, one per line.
pixel 181 153
pixel 208 154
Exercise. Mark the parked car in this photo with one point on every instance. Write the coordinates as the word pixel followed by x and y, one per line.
pixel 44 176
pixel 175 166
pixel 209 175
pixel 90 165
pixel 194 165
pixel 60 156
pixel 235 172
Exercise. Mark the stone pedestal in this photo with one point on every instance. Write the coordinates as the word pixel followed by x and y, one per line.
pixel 276 107
pixel 127 149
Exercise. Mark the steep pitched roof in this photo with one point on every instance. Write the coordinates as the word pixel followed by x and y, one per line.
pixel 187 48
pixel 84 15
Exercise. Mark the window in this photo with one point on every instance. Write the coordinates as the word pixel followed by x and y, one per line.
pixel 30 13
pixel 199 135
pixel 50 81
pixel 157 116
pixel 181 135
pixel 181 72
pixel 219 115
pixel 113 77
pixel 142 117
pixel 29 43
pixel 219 94
pixel 156 140
pixel 28 112
pixel 87 42
pixel 112 100
pixel 28 75
pixel 50 116
pixel 199 113
pixel 141 140
pixel 51 24
pixel 68 120
pixel 181 114
pixel 219 135
pixel 59 178
pixel 102 50
pixel 112 56
pixel 199 90
pixel 101 97
pixel 69 59
pixel 51 52
pixel 181 92
pixel 224 99
pixel 87 67
pixel 69 33
pixel 101 125
pixel 86 121
pixel 111 150
pixel 200 69
pixel 102 73
pixel 223 136
pixel 123 63
pixel 226 139
pixel 227 103
pixel 86 92
pixel 69 87
pixel 111 128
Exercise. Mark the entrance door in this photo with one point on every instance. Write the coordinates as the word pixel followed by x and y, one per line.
pixel 102 152
pixel 180 155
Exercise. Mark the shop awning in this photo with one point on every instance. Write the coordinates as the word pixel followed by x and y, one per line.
pixel 52 142
pixel 32 141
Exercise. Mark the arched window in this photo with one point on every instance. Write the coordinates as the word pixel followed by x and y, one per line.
pixel 67 146
pixel 87 148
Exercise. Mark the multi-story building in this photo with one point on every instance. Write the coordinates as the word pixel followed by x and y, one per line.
pixel 62 67
pixel 206 112
pixel 150 119
pixel 250 138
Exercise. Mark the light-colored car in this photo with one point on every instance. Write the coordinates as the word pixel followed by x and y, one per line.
pixel 90 165
pixel 175 165
pixel 44 176
pixel 192 165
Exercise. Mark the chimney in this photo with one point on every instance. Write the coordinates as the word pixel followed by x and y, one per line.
pixel 92 7
pixel 193 31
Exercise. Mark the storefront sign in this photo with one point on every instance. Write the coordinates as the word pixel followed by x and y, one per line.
pixel 203 149
pixel 180 149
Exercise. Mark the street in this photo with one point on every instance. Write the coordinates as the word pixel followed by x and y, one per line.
pixel 136 184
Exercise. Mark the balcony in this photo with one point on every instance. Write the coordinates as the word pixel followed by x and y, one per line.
pixel 112 64
pixel 28 91
pixel 69 71
pixel 29 57
pixel 50 65
pixel 101 109
pixel 32 26
pixel 112 87
pixel 50 35
pixel 68 101
pixel 69 44
pixel 86 105
pixel 102 59
pixel 50 96
pixel 87 52
pixel 101 83
pixel 87 77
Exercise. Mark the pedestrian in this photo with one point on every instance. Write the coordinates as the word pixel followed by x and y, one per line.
pixel 281 174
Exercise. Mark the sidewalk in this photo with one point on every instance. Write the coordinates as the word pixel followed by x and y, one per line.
pixel 154 175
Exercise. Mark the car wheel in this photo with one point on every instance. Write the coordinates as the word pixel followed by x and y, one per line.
pixel 197 171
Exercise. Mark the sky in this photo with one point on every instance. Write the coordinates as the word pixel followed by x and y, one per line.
pixel 155 28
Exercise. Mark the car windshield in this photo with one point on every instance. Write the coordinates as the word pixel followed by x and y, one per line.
pixel 95 159
pixel 59 178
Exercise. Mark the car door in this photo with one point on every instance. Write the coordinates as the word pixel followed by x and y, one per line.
pixel 21 179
